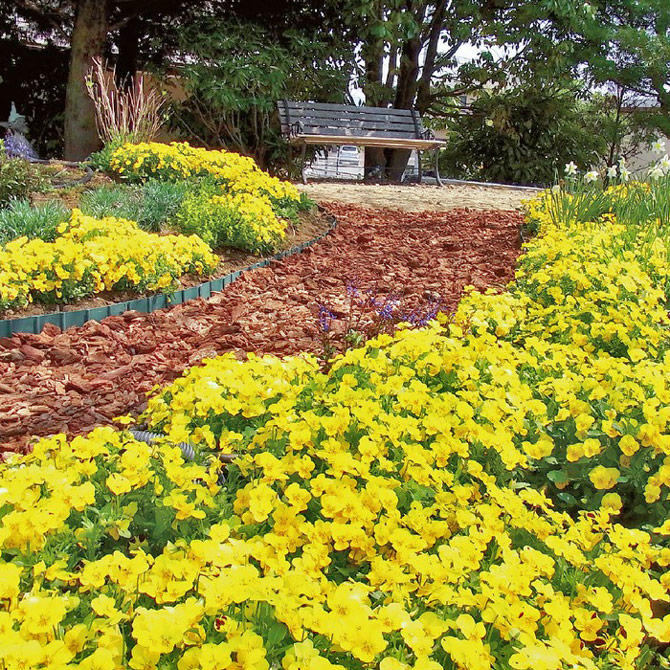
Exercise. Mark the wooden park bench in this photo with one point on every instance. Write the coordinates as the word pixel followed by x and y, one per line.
pixel 325 124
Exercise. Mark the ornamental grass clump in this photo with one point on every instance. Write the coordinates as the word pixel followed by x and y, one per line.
pixel 129 112
pixel 152 205
pixel 20 219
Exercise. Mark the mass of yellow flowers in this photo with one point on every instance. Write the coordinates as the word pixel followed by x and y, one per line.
pixel 488 492
pixel 258 200
pixel 179 160
pixel 92 255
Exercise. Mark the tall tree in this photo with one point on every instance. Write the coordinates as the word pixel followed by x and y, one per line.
pixel 138 30
pixel 89 37
pixel 410 53
pixel 627 42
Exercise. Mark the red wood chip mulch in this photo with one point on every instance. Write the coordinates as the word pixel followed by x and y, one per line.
pixel 75 380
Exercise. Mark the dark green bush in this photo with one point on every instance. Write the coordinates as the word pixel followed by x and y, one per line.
pixel 100 159
pixel 20 218
pixel 523 136
pixel 286 208
pixel 18 179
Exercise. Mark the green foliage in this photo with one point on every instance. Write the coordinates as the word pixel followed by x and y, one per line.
pixel 18 179
pixel 100 160
pixel 240 72
pixel 521 136
pixel 623 122
pixel 248 223
pixel 20 219
pixel 636 204
pixel 628 42
pixel 151 205
pixel 289 208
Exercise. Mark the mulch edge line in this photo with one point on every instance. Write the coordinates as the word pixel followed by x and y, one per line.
pixel 148 304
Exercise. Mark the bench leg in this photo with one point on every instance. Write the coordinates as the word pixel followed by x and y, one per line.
pixel 303 155
pixel 418 161
pixel 437 168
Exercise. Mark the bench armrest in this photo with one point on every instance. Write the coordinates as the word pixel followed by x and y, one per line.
pixel 295 129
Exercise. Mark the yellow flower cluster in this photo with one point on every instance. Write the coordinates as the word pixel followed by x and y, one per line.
pixel 563 381
pixel 179 160
pixel 387 514
pixel 261 202
pixel 93 255
pixel 254 223
pixel 326 548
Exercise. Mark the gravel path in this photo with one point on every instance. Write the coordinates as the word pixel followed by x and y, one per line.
pixel 418 198
pixel 75 380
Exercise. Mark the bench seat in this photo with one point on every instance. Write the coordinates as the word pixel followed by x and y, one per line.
pixel 329 124
pixel 368 141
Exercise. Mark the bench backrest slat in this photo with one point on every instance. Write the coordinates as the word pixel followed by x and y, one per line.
pixel 315 118
pixel 335 107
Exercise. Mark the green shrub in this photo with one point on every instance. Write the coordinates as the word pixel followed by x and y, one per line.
pixel 522 135
pixel 20 219
pixel 152 205
pixel 18 179
pixel 244 220
pixel 100 160
pixel 289 208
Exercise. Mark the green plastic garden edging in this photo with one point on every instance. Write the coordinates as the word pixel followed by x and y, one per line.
pixel 64 320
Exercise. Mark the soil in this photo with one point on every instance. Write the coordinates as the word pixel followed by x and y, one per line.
pixel 419 197
pixel 75 380
pixel 312 224
pixel 68 195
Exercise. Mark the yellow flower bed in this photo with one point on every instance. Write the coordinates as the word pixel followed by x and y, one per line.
pixel 260 203
pixel 387 514
pixel 179 160
pixel 93 255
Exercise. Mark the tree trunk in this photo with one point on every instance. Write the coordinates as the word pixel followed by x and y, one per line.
pixel 396 162
pixel 396 159
pixel 375 159
pixel 88 42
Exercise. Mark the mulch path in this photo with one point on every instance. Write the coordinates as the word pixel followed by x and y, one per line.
pixel 75 380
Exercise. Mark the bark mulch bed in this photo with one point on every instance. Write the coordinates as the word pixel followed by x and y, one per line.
pixel 75 380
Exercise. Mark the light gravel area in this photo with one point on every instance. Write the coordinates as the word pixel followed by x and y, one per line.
pixel 417 198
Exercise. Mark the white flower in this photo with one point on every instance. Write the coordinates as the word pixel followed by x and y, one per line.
pixel 555 188
pixel 612 171
pixel 664 163
pixel 658 145
pixel 589 10
pixel 656 172
pixel 622 161
pixel 591 176
pixel 570 169
pixel 489 123
pixel 625 173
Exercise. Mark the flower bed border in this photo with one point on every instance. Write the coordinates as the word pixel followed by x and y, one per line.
pixel 148 304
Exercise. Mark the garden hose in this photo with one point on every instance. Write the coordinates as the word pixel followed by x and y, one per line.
pixel 188 450
pixel 147 436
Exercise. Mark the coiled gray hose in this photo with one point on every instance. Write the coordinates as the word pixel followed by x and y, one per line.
pixel 187 449
pixel 147 436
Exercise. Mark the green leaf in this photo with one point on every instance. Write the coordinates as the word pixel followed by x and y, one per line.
pixel 558 477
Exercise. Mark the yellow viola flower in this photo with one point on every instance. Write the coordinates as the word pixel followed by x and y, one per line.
pixel 604 478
